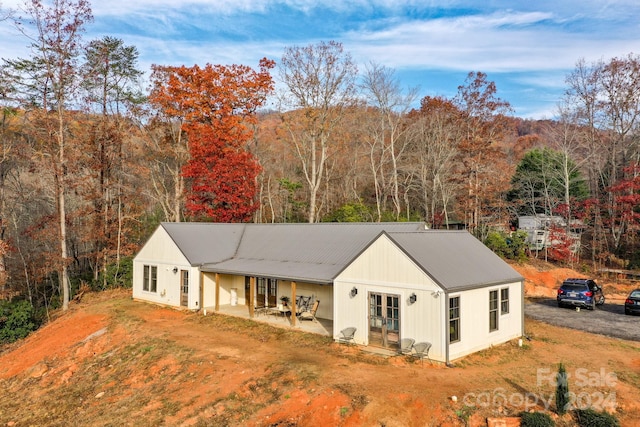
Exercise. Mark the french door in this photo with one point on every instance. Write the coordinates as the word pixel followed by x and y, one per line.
pixel 384 319
pixel 266 292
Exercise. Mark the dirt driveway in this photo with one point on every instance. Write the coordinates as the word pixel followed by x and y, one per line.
pixel 608 319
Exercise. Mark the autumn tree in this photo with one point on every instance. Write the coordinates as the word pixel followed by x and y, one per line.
pixel 320 85
pixel 109 78
pixel 218 105
pixel 167 148
pixel 47 83
pixel 626 196
pixel 485 171
pixel 604 100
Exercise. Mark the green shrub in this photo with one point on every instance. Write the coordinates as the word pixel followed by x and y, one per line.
pixel 536 419
pixel 562 391
pixel 16 320
pixel 592 418
pixel 350 212
pixel 117 276
pixel 509 246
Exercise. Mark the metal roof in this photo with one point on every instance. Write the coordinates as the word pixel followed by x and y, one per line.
pixel 202 242
pixel 317 253
pixel 303 251
pixel 455 260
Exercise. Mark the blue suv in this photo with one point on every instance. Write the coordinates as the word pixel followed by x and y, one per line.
pixel 580 292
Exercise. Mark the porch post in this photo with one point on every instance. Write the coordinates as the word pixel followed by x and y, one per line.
pixel 217 292
pixel 293 303
pixel 252 290
pixel 201 289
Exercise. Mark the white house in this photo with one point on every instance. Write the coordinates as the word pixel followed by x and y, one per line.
pixel 389 280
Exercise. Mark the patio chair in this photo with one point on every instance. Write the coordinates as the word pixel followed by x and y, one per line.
pixel 310 314
pixel 300 304
pixel 346 335
pixel 259 309
pixel 406 344
pixel 422 351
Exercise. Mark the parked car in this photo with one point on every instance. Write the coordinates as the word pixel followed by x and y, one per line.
pixel 632 303
pixel 580 292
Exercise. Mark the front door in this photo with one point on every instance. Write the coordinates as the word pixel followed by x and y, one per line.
pixel 184 288
pixel 384 320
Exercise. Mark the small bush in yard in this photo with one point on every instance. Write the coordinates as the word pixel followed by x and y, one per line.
pixel 562 391
pixel 592 418
pixel 536 419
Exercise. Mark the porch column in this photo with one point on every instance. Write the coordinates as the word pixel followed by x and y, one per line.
pixel 293 303
pixel 201 289
pixel 217 292
pixel 252 297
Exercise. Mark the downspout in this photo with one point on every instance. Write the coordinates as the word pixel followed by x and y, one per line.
pixel 445 315
pixel 522 307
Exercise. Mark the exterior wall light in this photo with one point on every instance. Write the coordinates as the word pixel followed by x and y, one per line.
pixel 354 292
pixel 413 298
pixel 175 270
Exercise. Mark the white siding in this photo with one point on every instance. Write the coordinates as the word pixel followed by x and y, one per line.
pixel 160 251
pixel 384 268
pixel 474 320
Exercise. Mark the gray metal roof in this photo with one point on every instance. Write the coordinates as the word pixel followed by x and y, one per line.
pixel 303 252
pixel 455 260
pixel 202 242
pixel 317 253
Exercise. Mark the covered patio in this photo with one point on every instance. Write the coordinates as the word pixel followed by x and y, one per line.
pixel 275 318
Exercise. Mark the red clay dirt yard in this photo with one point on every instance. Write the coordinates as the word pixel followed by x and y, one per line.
pixel 112 361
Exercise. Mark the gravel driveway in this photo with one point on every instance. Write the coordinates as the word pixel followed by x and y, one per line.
pixel 607 319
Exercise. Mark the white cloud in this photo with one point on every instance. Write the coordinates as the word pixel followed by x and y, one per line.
pixel 504 41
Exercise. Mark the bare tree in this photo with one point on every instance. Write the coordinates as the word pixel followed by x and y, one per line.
pixel 569 140
pixel 48 82
pixel 434 134
pixel 386 130
pixel 319 83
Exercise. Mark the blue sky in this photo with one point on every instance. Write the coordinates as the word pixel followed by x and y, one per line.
pixel 526 47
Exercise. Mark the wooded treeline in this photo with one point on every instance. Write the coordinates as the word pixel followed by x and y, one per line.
pixel 92 159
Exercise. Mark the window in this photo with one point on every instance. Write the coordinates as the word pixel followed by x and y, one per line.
pixel 504 301
pixel 454 319
pixel 493 311
pixel 150 278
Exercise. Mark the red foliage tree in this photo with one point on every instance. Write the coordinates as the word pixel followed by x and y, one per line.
pixel 562 245
pixel 217 105
pixel 626 196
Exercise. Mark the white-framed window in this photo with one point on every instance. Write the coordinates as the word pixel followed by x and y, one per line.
pixel 454 319
pixel 504 300
pixel 493 311
pixel 150 278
